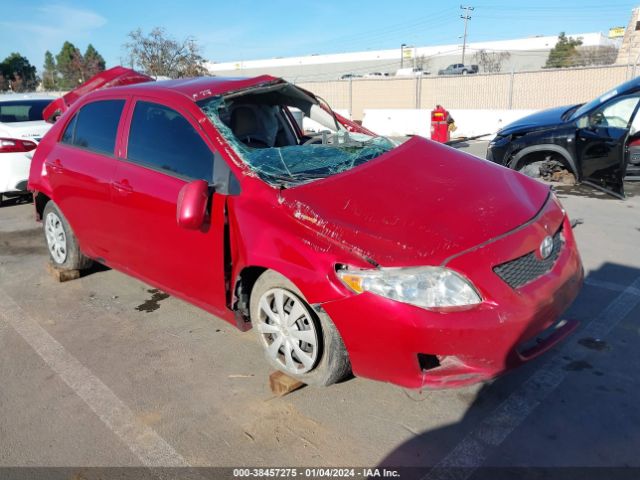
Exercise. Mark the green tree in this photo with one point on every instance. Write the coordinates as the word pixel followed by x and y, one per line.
pixel 49 72
pixel 19 73
pixel 93 62
pixel 70 66
pixel 565 53
pixel 4 74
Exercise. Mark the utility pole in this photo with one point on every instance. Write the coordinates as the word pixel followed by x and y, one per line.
pixel 466 17
pixel 402 55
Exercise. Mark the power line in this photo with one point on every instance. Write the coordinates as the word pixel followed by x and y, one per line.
pixel 418 24
pixel 466 17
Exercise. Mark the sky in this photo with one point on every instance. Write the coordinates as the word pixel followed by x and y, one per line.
pixel 244 30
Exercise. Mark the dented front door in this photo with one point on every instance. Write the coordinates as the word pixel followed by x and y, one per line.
pixel 164 151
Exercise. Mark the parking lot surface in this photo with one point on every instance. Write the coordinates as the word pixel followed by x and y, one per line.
pixel 106 371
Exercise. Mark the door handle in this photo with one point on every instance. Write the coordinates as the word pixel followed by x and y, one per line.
pixel 123 187
pixel 55 166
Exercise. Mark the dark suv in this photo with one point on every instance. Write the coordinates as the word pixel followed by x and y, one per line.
pixel 599 142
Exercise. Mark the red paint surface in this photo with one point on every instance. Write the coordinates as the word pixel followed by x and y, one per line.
pixel 420 204
pixel 192 204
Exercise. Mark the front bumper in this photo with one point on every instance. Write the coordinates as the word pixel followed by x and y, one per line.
pixel 497 150
pixel 384 337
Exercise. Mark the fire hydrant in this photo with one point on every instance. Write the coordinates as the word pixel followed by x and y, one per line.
pixel 440 124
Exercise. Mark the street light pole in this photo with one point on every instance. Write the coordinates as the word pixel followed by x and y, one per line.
pixel 402 55
pixel 466 17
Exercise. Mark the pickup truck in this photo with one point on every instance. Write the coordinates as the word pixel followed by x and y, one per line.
pixel 458 69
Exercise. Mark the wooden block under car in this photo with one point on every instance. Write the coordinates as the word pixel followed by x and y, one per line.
pixel 281 383
pixel 63 275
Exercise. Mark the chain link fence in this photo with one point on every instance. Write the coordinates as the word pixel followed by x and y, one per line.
pixel 500 91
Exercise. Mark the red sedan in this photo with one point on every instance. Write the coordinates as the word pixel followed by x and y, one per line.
pixel 413 264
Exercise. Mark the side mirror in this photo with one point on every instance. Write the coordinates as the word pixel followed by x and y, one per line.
pixel 192 204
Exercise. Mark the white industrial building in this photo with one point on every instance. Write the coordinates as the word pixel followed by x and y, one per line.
pixel 524 54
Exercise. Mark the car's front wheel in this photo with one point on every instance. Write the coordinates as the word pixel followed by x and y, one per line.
pixel 296 340
pixel 62 244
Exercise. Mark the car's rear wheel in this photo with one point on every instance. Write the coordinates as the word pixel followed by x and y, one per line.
pixel 296 340
pixel 62 244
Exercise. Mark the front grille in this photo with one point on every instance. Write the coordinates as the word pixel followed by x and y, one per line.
pixel 517 273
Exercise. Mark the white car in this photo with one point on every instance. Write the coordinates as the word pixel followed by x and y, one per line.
pixel 376 75
pixel 411 72
pixel 21 128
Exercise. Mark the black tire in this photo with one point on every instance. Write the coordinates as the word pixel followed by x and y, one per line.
pixel 332 364
pixel 74 259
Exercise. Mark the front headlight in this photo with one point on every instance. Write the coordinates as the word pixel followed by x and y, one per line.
pixel 428 287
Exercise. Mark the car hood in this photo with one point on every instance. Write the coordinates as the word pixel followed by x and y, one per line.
pixel 416 205
pixel 536 121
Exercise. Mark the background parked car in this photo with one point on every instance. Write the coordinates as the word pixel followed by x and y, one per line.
pixel 458 69
pixel 410 72
pixel 21 127
pixel 598 142
pixel 376 75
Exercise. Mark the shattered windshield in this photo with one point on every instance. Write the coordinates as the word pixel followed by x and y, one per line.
pixel 259 130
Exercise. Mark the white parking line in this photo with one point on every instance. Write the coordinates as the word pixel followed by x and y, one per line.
pixel 144 442
pixel 477 445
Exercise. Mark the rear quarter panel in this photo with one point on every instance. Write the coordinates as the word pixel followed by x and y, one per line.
pixel 37 181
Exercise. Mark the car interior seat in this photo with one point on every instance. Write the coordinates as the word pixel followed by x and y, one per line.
pixel 254 125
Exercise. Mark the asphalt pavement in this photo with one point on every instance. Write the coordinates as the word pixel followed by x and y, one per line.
pixel 104 371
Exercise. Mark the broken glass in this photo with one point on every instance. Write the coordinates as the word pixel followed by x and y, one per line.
pixel 326 154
